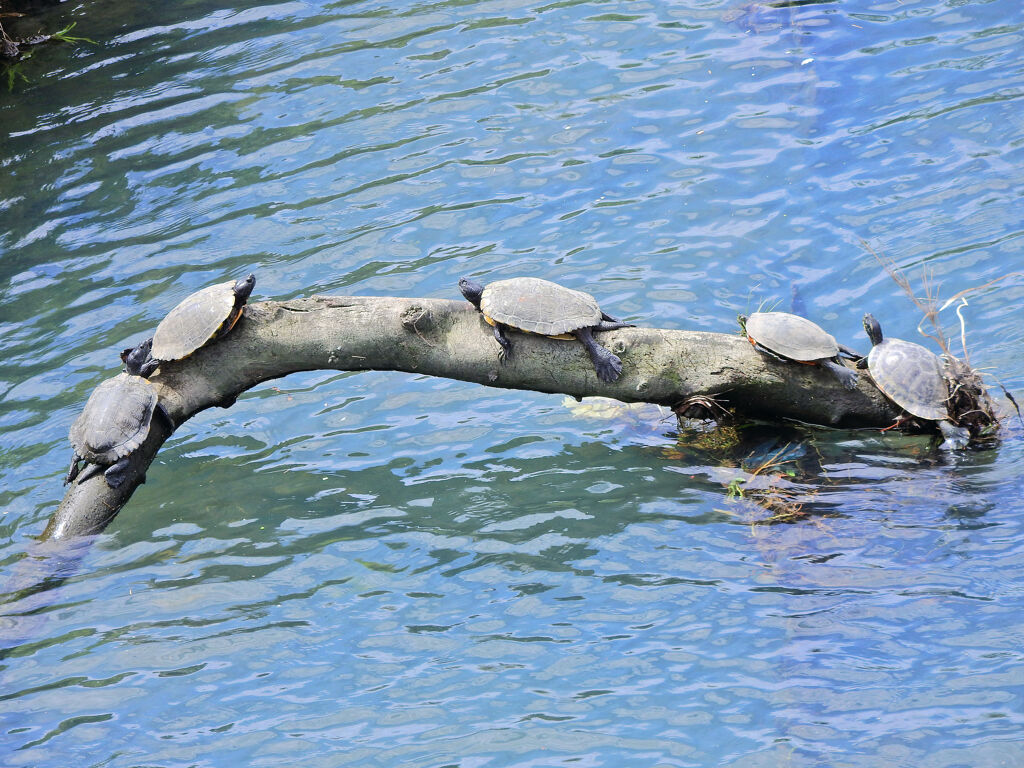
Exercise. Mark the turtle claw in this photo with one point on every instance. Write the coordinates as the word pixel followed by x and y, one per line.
pixel 607 365
pixel 608 369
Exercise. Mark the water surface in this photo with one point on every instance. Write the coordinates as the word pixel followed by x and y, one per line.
pixel 384 569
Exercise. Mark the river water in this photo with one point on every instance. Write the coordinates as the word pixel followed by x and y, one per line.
pixel 379 569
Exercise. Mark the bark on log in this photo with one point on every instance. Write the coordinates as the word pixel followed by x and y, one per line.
pixel 449 338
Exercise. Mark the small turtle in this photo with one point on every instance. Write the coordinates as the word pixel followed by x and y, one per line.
pixel 114 422
pixel 796 338
pixel 538 306
pixel 204 316
pixel 913 378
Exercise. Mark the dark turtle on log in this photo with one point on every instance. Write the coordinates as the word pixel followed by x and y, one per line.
pixel 532 305
pixel 199 319
pixel 913 378
pixel 796 338
pixel 114 422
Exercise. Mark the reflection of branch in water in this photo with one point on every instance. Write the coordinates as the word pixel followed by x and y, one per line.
pixel 30 589
pixel 15 49
pixel 778 496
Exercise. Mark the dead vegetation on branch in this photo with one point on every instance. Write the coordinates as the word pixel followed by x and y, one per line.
pixel 969 403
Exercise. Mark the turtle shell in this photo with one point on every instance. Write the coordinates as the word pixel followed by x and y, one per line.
pixel 539 306
pixel 115 420
pixel 194 322
pixel 911 376
pixel 791 336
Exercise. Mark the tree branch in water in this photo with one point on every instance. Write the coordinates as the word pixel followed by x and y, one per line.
pixel 449 338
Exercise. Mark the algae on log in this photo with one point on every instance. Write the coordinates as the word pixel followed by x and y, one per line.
pixel 449 338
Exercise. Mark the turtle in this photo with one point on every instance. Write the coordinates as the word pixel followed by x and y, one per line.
pixel 912 377
pixel 114 422
pixel 532 305
pixel 200 318
pixel 796 338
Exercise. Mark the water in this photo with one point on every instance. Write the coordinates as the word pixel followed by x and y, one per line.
pixel 382 569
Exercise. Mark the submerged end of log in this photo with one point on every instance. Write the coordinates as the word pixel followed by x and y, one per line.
pixel 89 505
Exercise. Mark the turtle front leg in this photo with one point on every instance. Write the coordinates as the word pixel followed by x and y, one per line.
pixel 76 472
pixel 607 365
pixel 506 346
pixel 149 367
pixel 74 469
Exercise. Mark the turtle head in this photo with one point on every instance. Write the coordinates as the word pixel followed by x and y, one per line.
pixel 873 329
pixel 243 289
pixel 472 290
pixel 138 361
pixel 743 323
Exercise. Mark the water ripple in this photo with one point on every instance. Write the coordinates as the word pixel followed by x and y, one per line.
pixel 427 572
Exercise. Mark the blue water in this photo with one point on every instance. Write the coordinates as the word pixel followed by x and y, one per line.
pixel 380 569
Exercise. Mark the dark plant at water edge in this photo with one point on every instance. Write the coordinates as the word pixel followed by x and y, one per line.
pixel 64 37
pixel 13 72
pixel 14 50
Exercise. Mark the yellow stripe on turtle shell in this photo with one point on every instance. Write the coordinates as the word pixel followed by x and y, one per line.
pixel 561 336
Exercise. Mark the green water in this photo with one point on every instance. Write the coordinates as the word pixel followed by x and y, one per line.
pixel 379 569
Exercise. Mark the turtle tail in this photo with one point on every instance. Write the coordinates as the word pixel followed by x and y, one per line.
pixel 847 376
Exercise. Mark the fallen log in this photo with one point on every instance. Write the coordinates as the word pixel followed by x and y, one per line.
pixel 449 338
